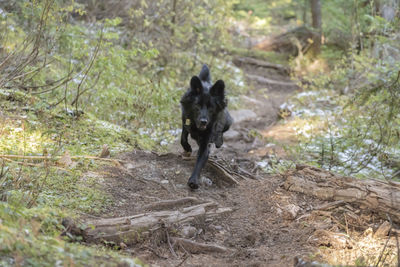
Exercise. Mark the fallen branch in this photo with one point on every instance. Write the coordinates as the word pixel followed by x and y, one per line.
pixel 55 158
pixel 224 174
pixel 330 205
pixel 171 249
pixel 32 164
pixel 197 248
pixel 248 174
pixel 379 196
pixel 222 163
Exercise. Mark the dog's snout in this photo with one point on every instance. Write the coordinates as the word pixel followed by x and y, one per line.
pixel 203 121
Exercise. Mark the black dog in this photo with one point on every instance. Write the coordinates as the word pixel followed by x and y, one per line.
pixel 205 117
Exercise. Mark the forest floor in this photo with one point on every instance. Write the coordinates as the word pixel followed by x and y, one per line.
pixel 252 219
pixel 245 212
pixel 261 230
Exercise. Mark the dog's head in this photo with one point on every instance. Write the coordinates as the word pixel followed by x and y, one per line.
pixel 204 100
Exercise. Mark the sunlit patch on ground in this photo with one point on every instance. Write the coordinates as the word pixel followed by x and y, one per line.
pixel 304 66
pixel 283 143
pixel 283 133
pixel 17 138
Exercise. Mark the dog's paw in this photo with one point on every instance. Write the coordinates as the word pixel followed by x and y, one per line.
pixel 218 144
pixel 187 148
pixel 186 155
pixel 193 185
pixel 218 140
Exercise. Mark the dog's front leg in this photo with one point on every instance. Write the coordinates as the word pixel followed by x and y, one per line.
pixel 202 157
pixel 184 140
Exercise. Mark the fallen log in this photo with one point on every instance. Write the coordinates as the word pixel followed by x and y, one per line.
pixel 286 42
pixel 260 63
pixel 380 196
pixel 133 229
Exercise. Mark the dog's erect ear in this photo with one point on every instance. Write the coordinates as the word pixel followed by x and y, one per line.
pixel 218 89
pixel 205 74
pixel 195 85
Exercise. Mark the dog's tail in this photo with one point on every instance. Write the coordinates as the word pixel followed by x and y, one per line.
pixel 205 74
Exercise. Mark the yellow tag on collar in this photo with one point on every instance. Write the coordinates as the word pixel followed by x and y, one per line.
pixel 187 122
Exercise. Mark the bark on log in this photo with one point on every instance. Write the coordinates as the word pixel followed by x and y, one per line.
pixel 132 229
pixel 379 196
pixel 285 43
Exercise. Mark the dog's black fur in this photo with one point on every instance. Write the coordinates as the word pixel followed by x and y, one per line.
pixel 205 117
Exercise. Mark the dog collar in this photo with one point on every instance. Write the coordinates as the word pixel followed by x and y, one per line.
pixel 187 122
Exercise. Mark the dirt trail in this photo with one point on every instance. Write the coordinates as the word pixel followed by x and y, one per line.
pixel 260 231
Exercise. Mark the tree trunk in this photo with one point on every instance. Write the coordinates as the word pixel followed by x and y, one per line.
pixel 382 197
pixel 317 25
pixel 173 19
pixel 305 8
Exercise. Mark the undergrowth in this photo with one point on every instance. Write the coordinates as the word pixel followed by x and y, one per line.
pixel 73 86
pixel 32 237
pixel 347 118
pixel 37 194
